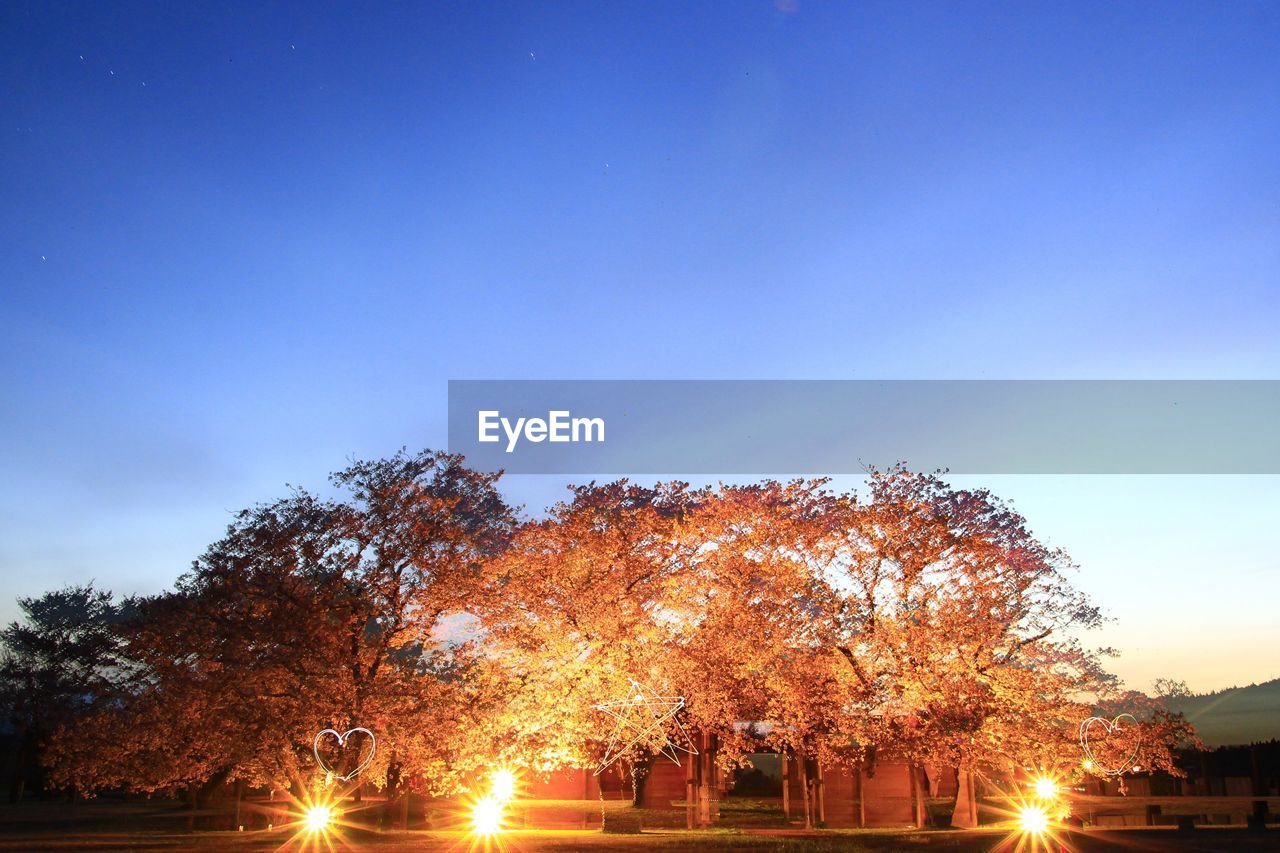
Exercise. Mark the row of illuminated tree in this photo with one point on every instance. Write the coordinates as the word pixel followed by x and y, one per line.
pixel 915 620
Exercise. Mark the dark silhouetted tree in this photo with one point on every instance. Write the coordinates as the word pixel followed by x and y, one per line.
pixel 63 654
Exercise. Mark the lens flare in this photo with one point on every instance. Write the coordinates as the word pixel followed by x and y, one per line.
pixel 503 785
pixel 318 818
pixel 1034 820
pixel 1046 788
pixel 486 817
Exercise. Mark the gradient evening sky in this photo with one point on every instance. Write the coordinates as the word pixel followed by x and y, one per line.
pixel 240 244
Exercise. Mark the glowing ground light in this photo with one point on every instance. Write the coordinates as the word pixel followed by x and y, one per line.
pixel 503 785
pixel 318 818
pixel 1046 788
pixel 486 816
pixel 1034 820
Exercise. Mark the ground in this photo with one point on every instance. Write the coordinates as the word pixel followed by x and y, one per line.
pixel 153 826
pixel 562 841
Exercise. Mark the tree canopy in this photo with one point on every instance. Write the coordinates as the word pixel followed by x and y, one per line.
pixel 309 613
pixel 916 621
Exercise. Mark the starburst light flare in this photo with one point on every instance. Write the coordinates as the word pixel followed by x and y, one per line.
pixel 1033 820
pixel 486 816
pixel 318 818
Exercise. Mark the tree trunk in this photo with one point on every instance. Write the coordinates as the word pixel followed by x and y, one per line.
pixel 804 790
pixel 919 793
pixel 786 784
pixel 965 813
pixel 820 792
pixel 201 794
pixel 955 798
pixel 708 795
pixel 15 766
pixel 639 778
pixel 691 794
pixel 600 791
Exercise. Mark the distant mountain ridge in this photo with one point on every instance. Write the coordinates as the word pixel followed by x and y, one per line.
pixel 1237 715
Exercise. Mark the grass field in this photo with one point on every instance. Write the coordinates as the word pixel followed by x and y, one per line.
pixel 152 826
pixel 562 841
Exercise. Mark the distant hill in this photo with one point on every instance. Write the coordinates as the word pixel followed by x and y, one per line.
pixel 1237 715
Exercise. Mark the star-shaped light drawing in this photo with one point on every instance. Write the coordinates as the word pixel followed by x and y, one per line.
pixel 642 719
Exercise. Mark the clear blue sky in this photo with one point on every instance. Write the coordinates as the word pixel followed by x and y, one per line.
pixel 239 244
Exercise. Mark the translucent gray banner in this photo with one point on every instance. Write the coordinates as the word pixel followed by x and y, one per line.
pixel 817 427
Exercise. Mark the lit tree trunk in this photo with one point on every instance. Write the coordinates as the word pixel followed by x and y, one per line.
pixel 965 813
pixel 955 797
pixel 786 784
pixel 820 792
pixel 919 793
pixel 639 779
pixel 690 793
pixel 707 793
pixel 804 789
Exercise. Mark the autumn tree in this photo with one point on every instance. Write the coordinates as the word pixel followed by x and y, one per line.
pixel 1155 734
pixel 581 603
pixel 748 648
pixel 959 630
pixel 311 612
pixel 920 622
pixel 705 594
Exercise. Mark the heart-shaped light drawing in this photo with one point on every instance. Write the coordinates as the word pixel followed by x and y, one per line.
pixel 1109 727
pixel 342 742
